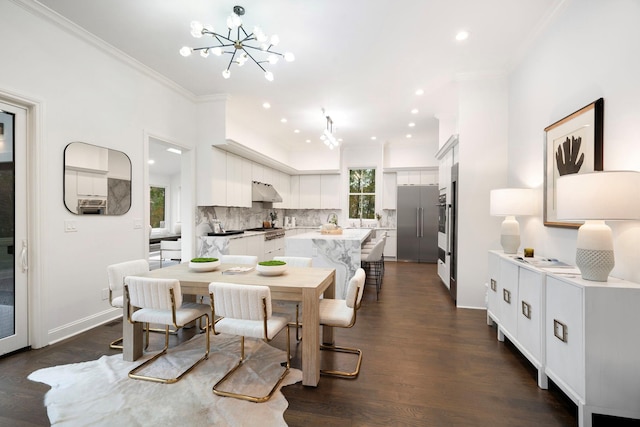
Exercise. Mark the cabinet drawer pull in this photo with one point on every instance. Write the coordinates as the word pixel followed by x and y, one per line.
pixel 506 296
pixel 494 285
pixel 560 330
pixel 526 309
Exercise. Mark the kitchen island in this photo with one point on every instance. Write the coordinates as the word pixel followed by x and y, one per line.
pixel 339 251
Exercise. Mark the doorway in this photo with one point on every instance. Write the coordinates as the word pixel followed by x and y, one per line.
pixel 165 185
pixel 13 229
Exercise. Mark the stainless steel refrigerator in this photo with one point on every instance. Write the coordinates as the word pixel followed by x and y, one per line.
pixel 418 223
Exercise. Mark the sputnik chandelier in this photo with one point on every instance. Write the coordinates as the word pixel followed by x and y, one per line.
pixel 245 46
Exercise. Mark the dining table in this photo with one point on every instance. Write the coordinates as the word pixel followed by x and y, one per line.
pixel 304 285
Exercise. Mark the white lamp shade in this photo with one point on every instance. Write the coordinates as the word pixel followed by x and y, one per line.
pixel 512 202
pixel 609 195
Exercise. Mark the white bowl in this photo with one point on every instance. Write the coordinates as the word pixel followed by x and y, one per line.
pixel 204 266
pixel 271 270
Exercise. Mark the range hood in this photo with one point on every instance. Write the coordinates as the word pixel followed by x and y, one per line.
pixel 261 192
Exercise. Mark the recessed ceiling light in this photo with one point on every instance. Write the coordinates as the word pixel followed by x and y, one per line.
pixel 462 35
pixel 411 124
pixel 151 161
pixel 414 111
pixel 373 138
pixel 420 92
pixel 266 105
pixel 296 131
pixel 339 139
pixel 409 135
pixel 283 120
pixel 174 150
pixel 308 141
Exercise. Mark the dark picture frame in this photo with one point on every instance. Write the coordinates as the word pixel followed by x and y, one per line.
pixel 573 144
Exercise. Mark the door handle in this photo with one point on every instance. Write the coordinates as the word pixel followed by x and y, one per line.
pixel 421 222
pixel 448 229
pixel 24 261
pixel 417 222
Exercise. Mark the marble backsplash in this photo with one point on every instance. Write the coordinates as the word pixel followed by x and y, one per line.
pixel 242 218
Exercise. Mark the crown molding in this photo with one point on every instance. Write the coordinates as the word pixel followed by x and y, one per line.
pixel 38 9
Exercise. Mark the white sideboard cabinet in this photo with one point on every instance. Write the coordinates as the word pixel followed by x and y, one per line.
pixel 593 344
pixel 515 302
pixel 583 335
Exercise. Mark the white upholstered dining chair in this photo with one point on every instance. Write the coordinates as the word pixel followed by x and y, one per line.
pixel 160 301
pixel 116 274
pixel 340 313
pixel 171 250
pixel 295 261
pixel 246 311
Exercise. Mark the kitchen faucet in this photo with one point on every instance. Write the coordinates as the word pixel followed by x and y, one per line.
pixel 332 218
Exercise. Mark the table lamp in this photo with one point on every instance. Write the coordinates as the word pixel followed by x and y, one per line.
pixel 511 202
pixel 595 197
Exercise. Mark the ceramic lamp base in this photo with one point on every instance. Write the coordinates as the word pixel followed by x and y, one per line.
pixel 594 251
pixel 510 235
pixel 595 264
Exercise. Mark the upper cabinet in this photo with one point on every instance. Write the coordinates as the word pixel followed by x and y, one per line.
pixel 418 177
pixel 330 191
pixel 389 190
pixel 294 193
pixel 310 192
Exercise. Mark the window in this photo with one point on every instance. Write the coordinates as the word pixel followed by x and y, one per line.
pixel 362 193
pixel 157 208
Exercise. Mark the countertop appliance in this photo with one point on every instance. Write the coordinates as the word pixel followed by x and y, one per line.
pixel 418 223
pixel 92 206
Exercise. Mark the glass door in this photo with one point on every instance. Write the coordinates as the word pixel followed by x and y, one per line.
pixel 13 229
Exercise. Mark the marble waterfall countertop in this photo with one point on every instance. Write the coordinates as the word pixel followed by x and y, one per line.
pixel 339 251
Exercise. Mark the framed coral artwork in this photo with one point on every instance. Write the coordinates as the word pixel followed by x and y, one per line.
pixel 572 145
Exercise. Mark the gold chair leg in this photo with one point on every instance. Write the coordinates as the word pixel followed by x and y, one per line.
pixel 134 372
pixel 297 324
pixel 117 344
pixel 342 374
pixel 255 399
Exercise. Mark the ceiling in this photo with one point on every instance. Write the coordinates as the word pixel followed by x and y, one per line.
pixel 360 60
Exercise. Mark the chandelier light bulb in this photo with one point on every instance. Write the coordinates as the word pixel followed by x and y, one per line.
pixel 196 29
pixel 268 75
pixel 273 59
pixel 185 51
pixel 226 74
pixel 234 21
pixel 289 57
pixel 260 35
pixel 204 53
pixel 275 40
pixel 217 51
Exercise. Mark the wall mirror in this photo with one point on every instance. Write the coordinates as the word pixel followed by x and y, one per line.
pixel 97 180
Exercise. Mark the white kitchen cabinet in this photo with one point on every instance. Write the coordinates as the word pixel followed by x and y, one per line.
pixel 310 192
pixel 257 173
pixel 245 184
pixel 592 344
pixel 214 192
pixel 282 184
pixel 389 190
pixel 391 244
pixel 418 177
pixel 294 203
pixel 91 184
pixel 330 191
pixel 249 245
pixel 234 180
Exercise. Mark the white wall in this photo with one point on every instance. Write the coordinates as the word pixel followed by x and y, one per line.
pixel 589 51
pixel 483 114
pixel 91 96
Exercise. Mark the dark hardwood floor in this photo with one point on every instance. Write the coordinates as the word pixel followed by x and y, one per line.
pixel 425 363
